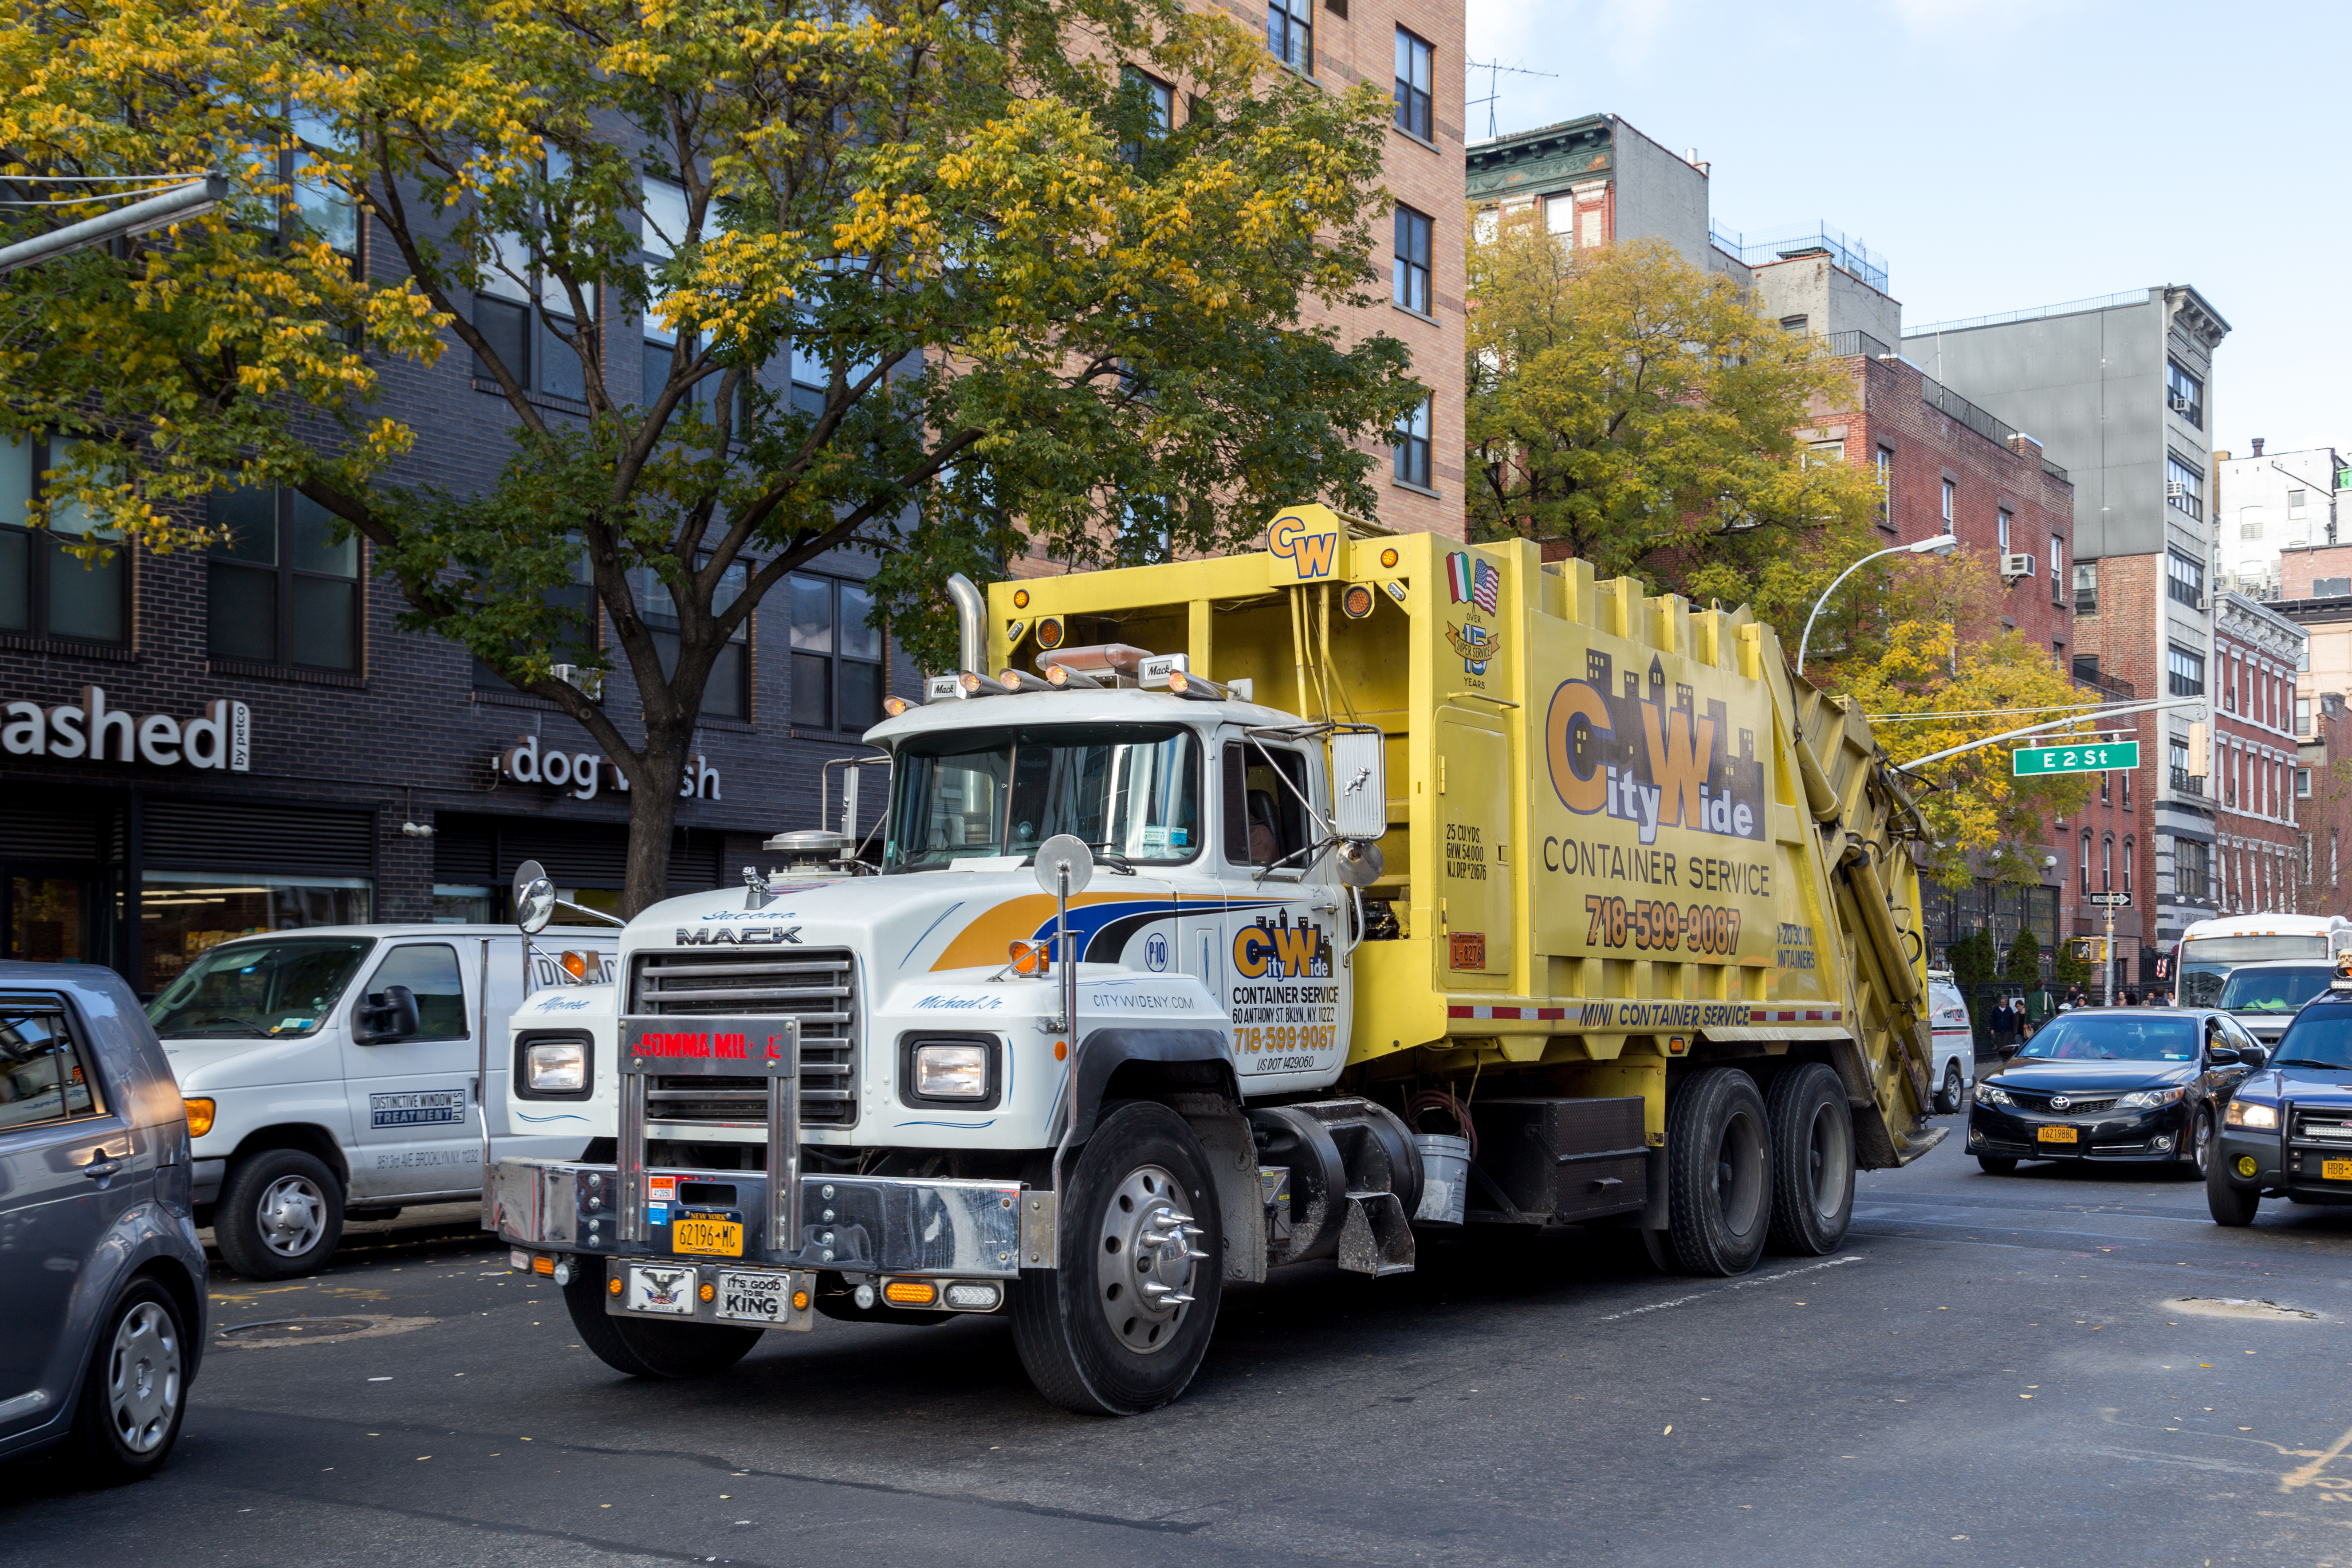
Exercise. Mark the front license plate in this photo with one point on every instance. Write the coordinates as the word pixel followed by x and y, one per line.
pixel 2047 1135
pixel 659 1288
pixel 753 1297
pixel 707 1238
pixel 2335 1170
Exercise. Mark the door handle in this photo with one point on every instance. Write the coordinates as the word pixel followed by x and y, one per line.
pixel 99 1168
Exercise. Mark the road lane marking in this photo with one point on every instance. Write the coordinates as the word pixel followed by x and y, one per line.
pixel 1736 1285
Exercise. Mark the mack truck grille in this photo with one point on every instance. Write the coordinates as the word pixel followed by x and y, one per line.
pixel 818 986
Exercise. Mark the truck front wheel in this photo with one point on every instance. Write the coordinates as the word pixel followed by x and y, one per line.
pixel 1812 1159
pixel 1718 1173
pixel 644 1349
pixel 1121 1326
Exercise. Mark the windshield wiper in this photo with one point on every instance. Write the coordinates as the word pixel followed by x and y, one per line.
pixel 2307 1062
pixel 1114 859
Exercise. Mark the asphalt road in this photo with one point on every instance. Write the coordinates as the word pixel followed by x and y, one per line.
pixel 1996 1370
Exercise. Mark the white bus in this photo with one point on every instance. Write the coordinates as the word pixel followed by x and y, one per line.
pixel 2211 949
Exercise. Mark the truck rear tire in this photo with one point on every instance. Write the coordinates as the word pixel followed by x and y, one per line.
pixel 1095 1333
pixel 1812 1159
pixel 644 1349
pixel 1718 1173
pixel 281 1213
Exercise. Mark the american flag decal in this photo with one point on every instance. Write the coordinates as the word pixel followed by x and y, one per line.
pixel 1489 587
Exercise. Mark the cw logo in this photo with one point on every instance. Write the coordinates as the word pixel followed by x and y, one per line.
pixel 1281 952
pixel 1310 547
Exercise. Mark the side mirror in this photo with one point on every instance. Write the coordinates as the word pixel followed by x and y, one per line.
pixel 2222 1055
pixel 1359 790
pixel 534 897
pixel 2008 1052
pixel 387 1015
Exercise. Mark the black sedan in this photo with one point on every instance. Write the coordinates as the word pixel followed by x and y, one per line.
pixel 2287 1131
pixel 2122 1085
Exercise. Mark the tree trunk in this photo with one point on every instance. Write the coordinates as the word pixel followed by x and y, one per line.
pixel 653 816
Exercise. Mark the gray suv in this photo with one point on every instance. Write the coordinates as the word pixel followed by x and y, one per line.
pixel 101 1278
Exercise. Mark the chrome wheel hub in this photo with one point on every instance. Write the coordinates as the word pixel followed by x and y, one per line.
pixel 142 1383
pixel 1144 1260
pixel 293 1214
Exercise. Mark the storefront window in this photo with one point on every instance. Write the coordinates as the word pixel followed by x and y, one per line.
pixel 183 914
pixel 463 904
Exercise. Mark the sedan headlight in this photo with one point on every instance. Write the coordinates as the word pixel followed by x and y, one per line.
pixel 957 1071
pixel 2250 1113
pixel 555 1067
pixel 1987 1095
pixel 2149 1099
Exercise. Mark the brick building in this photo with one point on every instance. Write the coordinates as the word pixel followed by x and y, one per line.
pixel 2251 778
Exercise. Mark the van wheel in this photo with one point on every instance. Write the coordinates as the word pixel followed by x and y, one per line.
pixel 1812 1159
pixel 644 1349
pixel 1954 1094
pixel 1121 1326
pixel 281 1213
pixel 1718 1173
pixel 136 1389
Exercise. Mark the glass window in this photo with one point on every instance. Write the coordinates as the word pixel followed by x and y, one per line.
pixel 728 693
pixel 659 234
pixel 2057 570
pixel 1290 33
pixel 2086 861
pixel 2192 867
pixel 1410 444
pixel 1886 471
pixel 2184 579
pixel 280 587
pixel 2184 487
pixel 2184 394
pixel 2186 671
pixel 429 970
pixel 2119 1035
pixel 1413 60
pixel 1948 498
pixel 836 656
pixel 42 1075
pixel 1266 822
pixel 1131 791
pixel 1410 277
pixel 44 590
pixel 2127 859
pixel 463 903
pixel 2001 527
pixel 2302 715
pixel 258 989
pixel 187 914
pixel 1162 100
pixel 2086 587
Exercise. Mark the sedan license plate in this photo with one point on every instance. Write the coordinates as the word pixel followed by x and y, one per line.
pixel 748 1298
pixel 657 1288
pixel 2335 1170
pixel 705 1236
pixel 2047 1135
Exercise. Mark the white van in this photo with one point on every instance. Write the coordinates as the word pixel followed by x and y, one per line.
pixel 1952 1066
pixel 339 1071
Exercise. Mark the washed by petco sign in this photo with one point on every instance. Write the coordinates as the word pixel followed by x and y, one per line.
pixel 219 737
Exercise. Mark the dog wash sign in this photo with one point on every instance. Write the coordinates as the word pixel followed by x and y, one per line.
pixel 219 737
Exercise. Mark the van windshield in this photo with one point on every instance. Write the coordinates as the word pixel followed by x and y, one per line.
pixel 1131 791
pixel 2274 990
pixel 258 990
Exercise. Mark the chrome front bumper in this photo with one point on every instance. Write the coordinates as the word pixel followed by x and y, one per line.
pixel 851 1224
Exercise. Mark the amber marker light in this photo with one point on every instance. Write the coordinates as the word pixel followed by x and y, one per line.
pixel 910 1293
pixel 200 1116
pixel 1020 598
pixel 894 706
pixel 709 1292
pixel 800 1300
pixel 613 1286
pixel 1357 602
pixel 547 1266
pixel 1031 958
pixel 1388 557
pixel 575 964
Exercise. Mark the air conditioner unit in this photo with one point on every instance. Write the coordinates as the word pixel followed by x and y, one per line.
pixel 2178 404
pixel 2174 489
pixel 2017 566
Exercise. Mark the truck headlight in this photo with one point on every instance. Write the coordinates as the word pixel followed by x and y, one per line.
pixel 2250 1113
pixel 2149 1098
pixel 956 1071
pixel 555 1067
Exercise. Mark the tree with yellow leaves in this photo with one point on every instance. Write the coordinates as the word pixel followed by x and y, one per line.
pixel 751 281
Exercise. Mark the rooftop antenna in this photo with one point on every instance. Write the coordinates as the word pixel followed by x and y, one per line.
pixel 1493 69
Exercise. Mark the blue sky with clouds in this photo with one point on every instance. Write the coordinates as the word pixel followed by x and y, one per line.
pixel 1999 154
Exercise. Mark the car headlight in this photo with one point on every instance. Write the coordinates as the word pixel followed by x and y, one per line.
pixel 555 1067
pixel 200 1116
pixel 2149 1098
pixel 957 1071
pixel 2250 1113
pixel 1987 1095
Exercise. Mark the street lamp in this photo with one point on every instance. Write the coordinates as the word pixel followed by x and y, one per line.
pixel 1942 544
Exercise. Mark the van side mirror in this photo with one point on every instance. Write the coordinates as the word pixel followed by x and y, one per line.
pixel 387 1015
pixel 1359 790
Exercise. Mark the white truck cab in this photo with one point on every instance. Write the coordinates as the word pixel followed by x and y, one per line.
pixel 344 1071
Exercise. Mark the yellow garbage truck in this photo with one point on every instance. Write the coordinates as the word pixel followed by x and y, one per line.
pixel 1228 914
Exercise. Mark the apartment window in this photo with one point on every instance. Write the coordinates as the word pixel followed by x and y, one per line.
pixel 2104 779
pixel 1884 469
pixel 577 644
pixel 44 591
pixel 2001 526
pixel 2184 394
pixel 1950 493
pixel 2329 588
pixel 2057 570
pixel 2178 761
pixel 1414 61
pixel 2303 783
pixel 836 656
pixel 2186 670
pixel 1824 454
pixel 2250 523
pixel 1290 33
pixel 2086 862
pixel 2086 587
pixel 319 205
pixel 2297 503
pixel 2192 868
pixel 2302 715
pixel 2184 579
pixel 1162 98
pixel 2126 790
pixel 1795 324
pixel 728 694
pixel 1410 443
pixel 1410 278
pixel 2107 863
pixel 2128 852
pixel 280 589
pixel 2184 487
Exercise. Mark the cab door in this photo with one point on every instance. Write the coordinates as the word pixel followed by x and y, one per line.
pixel 1280 956
pixel 414 1111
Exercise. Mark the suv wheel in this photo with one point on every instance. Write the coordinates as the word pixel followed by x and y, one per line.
pixel 281 1213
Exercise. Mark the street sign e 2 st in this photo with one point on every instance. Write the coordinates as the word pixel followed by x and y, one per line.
pixel 2098 757
pixel 2111 901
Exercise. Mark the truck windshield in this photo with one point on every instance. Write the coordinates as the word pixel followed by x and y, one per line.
pixel 258 989
pixel 2121 1035
pixel 1131 791
pixel 2205 962
pixel 2273 990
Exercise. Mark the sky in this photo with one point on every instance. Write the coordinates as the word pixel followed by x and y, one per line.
pixel 2003 154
